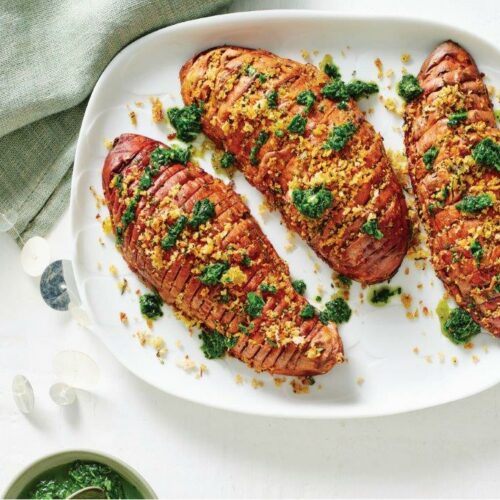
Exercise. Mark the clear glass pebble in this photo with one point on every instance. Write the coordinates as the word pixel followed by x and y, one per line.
pixel 76 369
pixel 79 315
pixel 7 221
pixel 62 394
pixel 23 394
pixel 35 256
pixel 53 287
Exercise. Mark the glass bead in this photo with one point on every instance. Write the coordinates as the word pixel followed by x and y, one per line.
pixel 23 394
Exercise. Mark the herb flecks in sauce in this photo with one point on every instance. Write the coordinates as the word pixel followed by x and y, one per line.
pixel 409 88
pixel 487 153
pixel 340 136
pixel 150 305
pixel 254 305
pixel 61 482
pixel 370 227
pixel 186 121
pixel 174 232
pixel 336 310
pixel 299 286
pixel 459 327
pixel 472 204
pixel 455 119
pixel 381 295
pixel 261 140
pixel 215 345
pixel 203 211
pixel 429 157
pixel 312 202
pixel 212 274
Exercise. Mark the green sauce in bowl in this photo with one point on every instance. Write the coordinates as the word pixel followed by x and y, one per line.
pixel 63 481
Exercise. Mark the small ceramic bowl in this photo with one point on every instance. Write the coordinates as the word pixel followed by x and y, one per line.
pixel 45 464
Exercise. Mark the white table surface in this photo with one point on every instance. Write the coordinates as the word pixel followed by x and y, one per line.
pixel 186 450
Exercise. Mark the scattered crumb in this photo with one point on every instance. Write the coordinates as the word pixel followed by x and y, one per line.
pixel 405 58
pixel 108 144
pixel 99 200
pixel 107 226
pixel 203 369
pixel 316 268
pixel 391 105
pixel 485 348
pixel 360 381
pixel 454 360
pixel 133 118
pixel 428 359
pixel 416 350
pixel 380 68
pixel 406 300
pixel 290 236
pixel 113 270
pixel 279 381
pixel 124 318
pixel 305 55
pixel 475 359
pixel 264 209
pixel 101 241
pixel 186 363
pixel 139 104
pixel 238 379
pixel 179 345
pixel 123 286
pixel 299 388
pixel 441 357
pixel 469 345
pixel 156 109
pixel 256 384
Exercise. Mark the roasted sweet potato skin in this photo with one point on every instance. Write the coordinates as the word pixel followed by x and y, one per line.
pixel 235 85
pixel 464 244
pixel 277 340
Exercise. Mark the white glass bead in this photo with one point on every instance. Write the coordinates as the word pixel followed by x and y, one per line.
pixel 7 221
pixel 23 394
pixel 76 369
pixel 62 394
pixel 35 256
pixel 79 315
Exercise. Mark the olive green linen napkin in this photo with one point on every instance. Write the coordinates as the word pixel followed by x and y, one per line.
pixel 53 52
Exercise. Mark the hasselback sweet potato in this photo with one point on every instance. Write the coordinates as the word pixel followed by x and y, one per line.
pixel 192 239
pixel 453 147
pixel 315 158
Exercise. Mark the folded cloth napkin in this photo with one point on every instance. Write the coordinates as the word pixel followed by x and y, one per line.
pixel 53 52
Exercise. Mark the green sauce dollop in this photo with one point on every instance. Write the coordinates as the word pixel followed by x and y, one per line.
pixel 380 296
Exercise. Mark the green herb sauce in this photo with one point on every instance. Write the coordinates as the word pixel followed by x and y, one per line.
pixel 299 286
pixel 340 136
pixel 457 118
pixel 487 153
pixel 63 481
pixel 186 121
pixel 381 295
pixel 203 211
pixel 297 125
pixel 215 345
pixel 472 204
pixel 150 305
pixel 336 310
pixel 409 88
pixel 370 227
pixel 312 202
